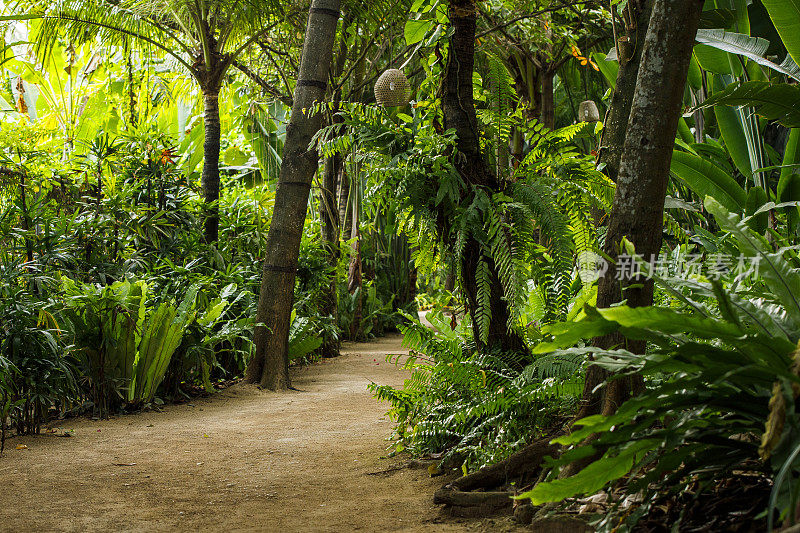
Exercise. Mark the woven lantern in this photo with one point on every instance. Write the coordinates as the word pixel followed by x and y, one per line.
pixel 588 112
pixel 391 89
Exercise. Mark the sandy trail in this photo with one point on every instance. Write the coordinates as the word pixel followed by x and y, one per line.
pixel 242 460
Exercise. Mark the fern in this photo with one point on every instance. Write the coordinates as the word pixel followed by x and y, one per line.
pixel 469 406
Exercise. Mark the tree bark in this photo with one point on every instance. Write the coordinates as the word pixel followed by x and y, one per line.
pixel 638 209
pixel 345 211
pixel 210 177
pixel 26 219
pixel 548 117
pixel 270 364
pixel 459 113
pixel 355 284
pixel 630 52
pixel 329 213
pixel 329 209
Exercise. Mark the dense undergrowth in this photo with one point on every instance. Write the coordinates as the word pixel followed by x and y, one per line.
pixel 110 298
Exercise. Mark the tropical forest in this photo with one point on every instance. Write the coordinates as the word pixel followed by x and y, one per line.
pixel 400 265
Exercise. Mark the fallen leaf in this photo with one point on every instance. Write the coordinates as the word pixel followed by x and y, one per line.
pixel 21 447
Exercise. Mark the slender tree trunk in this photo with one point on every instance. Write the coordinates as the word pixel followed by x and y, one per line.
pixel 26 219
pixel 638 210
pixel 547 75
pixel 329 213
pixel 355 284
pixel 270 364
pixel 630 52
pixel 134 114
pixel 699 118
pixel 210 177
pixel 345 210
pixel 329 210
pixel 548 117
pixel 459 114
pixel 517 148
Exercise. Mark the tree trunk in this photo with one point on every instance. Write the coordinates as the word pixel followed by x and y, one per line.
pixel 638 209
pixel 210 177
pixel 329 213
pixel 345 211
pixel 329 209
pixel 459 113
pixel 355 283
pixel 547 75
pixel 630 52
pixel 26 219
pixel 548 117
pixel 270 364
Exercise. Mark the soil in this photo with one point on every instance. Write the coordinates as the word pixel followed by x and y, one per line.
pixel 244 459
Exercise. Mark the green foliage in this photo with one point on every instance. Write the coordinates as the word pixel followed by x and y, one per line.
pixel 784 15
pixel 472 408
pixel 125 340
pixel 36 374
pixel 706 179
pixel 774 101
pixel 722 363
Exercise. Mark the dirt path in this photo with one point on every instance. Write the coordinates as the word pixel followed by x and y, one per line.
pixel 242 460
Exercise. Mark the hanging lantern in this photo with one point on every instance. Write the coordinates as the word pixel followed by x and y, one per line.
pixel 391 89
pixel 588 112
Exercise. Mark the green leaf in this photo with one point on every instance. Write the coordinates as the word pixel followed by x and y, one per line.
pixel 717 18
pixel 756 197
pixel 789 183
pixel 733 134
pixel 607 67
pixel 778 101
pixel 566 334
pixel 416 30
pixel 715 60
pixel 302 339
pixel 707 179
pixel 782 280
pixel 785 15
pixel 670 322
pixel 592 478
pixel 754 48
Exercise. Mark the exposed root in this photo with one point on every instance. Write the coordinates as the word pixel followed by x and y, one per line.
pixel 474 504
pixel 522 464
pixel 525 464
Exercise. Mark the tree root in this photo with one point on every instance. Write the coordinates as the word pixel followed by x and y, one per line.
pixel 474 504
pixel 459 497
pixel 523 464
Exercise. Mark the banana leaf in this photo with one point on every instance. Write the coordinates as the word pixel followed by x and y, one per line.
pixel 785 14
pixel 753 48
pixel 789 182
pixel 707 179
pixel 778 101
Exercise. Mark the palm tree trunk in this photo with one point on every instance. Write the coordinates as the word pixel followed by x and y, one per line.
pixel 210 177
pixel 638 210
pixel 270 364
